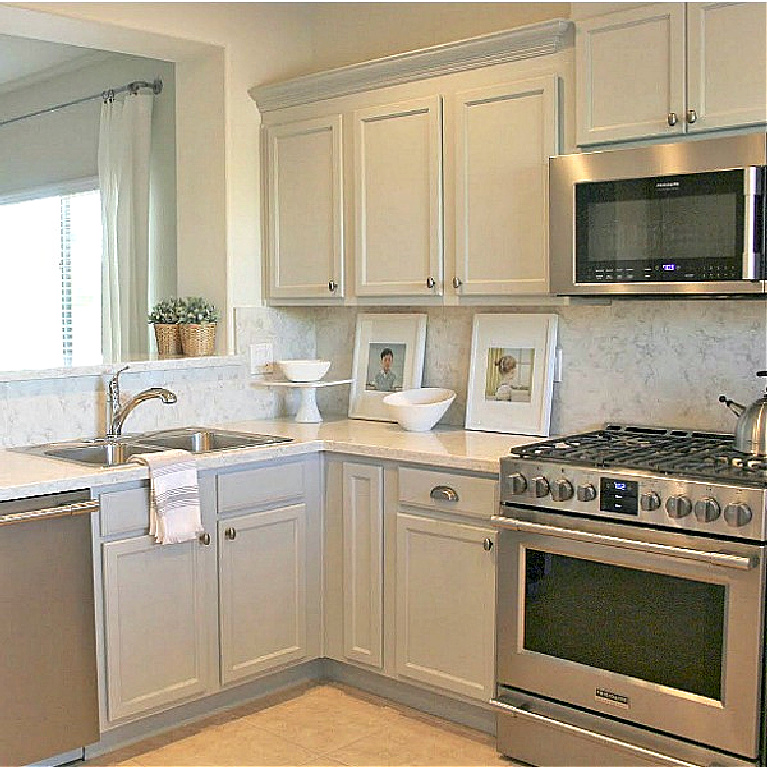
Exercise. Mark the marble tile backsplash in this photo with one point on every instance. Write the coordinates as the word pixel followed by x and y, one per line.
pixel 647 362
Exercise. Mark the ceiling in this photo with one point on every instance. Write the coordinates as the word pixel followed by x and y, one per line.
pixel 22 57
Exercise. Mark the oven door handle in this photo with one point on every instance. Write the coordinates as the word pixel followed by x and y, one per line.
pixel 719 558
pixel 648 755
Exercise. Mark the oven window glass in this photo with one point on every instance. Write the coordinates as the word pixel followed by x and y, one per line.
pixel 696 217
pixel 645 625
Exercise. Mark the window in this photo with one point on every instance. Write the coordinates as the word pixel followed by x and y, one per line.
pixel 51 250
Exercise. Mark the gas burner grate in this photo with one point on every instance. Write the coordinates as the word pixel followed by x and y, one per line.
pixel 675 452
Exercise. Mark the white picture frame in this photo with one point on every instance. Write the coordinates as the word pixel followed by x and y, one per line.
pixel 373 375
pixel 511 375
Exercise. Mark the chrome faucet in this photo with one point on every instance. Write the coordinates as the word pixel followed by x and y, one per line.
pixel 117 413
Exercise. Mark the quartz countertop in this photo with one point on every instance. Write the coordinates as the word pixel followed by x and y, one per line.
pixel 24 475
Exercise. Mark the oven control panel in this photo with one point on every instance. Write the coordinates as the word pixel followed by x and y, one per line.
pixel 657 500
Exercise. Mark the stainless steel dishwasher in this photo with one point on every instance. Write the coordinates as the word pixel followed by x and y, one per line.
pixel 48 690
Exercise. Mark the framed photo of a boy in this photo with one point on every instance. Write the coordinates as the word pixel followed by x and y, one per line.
pixel 388 357
pixel 511 377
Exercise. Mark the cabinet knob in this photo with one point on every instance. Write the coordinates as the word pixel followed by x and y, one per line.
pixel 205 539
pixel 672 119
pixel 487 544
pixel 332 286
pixel 430 282
pixel 230 533
pixel 692 116
pixel 444 493
pixel 457 282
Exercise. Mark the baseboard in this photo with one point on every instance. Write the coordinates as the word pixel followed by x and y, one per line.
pixel 478 716
pixel 271 689
pixel 267 690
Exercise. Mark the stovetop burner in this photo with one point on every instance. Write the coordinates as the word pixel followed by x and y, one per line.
pixel 673 452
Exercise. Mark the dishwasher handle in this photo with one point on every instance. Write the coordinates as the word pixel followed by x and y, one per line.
pixel 66 510
pixel 719 558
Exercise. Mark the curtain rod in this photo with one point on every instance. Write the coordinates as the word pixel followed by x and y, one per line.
pixel 107 95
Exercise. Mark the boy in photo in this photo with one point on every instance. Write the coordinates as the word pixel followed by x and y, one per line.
pixel 386 378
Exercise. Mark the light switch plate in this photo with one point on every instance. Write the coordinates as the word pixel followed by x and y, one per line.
pixel 261 358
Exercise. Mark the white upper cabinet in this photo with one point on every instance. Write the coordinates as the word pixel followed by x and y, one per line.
pixel 630 74
pixel 671 68
pixel 505 135
pixel 726 64
pixel 398 198
pixel 305 209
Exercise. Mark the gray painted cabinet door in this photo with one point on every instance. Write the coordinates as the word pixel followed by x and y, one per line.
pixel 262 582
pixel 363 563
pixel 446 604
pixel 155 623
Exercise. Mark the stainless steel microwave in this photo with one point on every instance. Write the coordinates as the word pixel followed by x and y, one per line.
pixel 681 218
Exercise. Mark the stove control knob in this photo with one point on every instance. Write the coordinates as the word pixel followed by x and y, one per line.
pixel 737 514
pixel 678 506
pixel 649 501
pixel 561 490
pixel 587 492
pixel 540 487
pixel 516 483
pixel 707 509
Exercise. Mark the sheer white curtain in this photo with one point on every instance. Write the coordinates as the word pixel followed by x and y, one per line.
pixel 124 147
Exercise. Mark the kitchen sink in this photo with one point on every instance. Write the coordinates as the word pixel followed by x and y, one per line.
pixel 199 440
pixel 98 453
pixel 116 452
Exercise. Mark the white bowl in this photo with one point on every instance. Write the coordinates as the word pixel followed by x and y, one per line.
pixel 419 409
pixel 303 371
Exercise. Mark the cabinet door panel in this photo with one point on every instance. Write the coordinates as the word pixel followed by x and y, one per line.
pixel 398 198
pixel 155 624
pixel 305 192
pixel 727 64
pixel 446 605
pixel 363 563
pixel 505 135
pixel 630 74
pixel 262 591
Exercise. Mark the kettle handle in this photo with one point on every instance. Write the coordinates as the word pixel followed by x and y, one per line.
pixel 761 373
pixel 736 407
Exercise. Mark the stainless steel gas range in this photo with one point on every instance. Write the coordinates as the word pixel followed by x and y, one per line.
pixel 631 600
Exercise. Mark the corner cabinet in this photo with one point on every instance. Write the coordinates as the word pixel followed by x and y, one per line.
pixel 671 68
pixel 304 194
pixel 444 173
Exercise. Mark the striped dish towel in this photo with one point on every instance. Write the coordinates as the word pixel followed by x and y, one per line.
pixel 174 495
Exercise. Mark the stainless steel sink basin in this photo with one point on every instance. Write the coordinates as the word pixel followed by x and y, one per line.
pixel 106 453
pixel 116 452
pixel 201 440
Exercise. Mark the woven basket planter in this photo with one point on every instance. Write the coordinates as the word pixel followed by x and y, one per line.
pixel 168 340
pixel 198 340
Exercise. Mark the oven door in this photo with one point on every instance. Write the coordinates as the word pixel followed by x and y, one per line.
pixel 663 630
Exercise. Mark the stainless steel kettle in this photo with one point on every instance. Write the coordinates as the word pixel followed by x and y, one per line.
pixel 751 431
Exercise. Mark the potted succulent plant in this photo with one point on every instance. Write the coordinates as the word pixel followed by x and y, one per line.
pixel 165 318
pixel 197 320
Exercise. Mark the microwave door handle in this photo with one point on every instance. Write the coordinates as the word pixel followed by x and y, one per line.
pixel 750 200
pixel 719 558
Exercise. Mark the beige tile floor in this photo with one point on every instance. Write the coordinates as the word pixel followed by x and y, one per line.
pixel 329 724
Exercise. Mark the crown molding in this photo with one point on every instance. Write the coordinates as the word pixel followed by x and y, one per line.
pixel 496 48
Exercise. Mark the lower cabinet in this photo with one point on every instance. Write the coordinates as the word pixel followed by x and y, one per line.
pixel 446 604
pixel 155 628
pixel 262 581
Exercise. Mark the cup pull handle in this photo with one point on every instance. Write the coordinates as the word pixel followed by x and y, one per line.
pixel 444 493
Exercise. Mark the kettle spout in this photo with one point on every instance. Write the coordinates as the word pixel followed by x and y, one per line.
pixel 736 407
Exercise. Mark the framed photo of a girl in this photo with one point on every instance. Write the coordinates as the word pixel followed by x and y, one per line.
pixel 511 376
pixel 388 357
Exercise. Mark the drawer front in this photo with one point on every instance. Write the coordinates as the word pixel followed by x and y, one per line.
pixel 446 491
pixel 262 486
pixel 125 511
